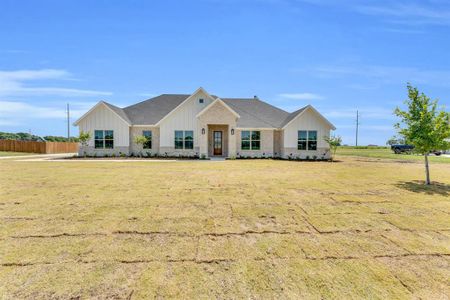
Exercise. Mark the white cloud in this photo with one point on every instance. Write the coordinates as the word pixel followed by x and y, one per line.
pixel 14 112
pixel 368 127
pixel 12 84
pixel 404 12
pixel 382 74
pixel 365 113
pixel 409 13
pixel 301 96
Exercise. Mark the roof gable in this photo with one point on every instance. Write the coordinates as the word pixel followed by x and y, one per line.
pixel 215 102
pixel 296 114
pixel 116 110
pixel 199 90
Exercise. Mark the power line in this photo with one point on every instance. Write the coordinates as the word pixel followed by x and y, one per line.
pixel 68 123
pixel 357 126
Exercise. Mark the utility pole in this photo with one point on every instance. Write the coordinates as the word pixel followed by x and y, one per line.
pixel 68 123
pixel 357 126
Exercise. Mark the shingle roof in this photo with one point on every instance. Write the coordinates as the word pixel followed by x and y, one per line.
pixel 151 111
pixel 118 111
pixel 254 113
pixel 292 116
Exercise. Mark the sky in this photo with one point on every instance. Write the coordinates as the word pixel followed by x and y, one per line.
pixel 339 56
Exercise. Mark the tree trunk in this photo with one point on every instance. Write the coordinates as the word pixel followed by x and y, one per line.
pixel 427 170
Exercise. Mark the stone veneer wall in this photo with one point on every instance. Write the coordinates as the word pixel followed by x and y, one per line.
pixel 278 143
pixel 134 148
pixel 319 153
pixel 267 144
pixel 91 151
pixel 171 151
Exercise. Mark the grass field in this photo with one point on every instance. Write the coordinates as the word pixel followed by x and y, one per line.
pixel 358 228
pixel 10 153
pixel 388 154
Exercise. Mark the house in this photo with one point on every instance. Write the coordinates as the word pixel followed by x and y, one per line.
pixel 205 125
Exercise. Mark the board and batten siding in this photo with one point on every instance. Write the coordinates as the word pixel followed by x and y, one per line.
pixel 309 120
pixel 103 118
pixel 183 118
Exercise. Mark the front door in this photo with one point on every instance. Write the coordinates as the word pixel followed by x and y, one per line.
pixel 217 142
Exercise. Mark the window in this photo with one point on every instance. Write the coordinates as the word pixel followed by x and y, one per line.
pixel 104 139
pixel 302 140
pixel 312 140
pixel 178 139
pixel 184 139
pixel 201 101
pixel 307 140
pixel 250 140
pixel 189 139
pixel 148 135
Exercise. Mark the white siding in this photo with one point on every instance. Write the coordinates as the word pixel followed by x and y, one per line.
pixel 183 118
pixel 102 118
pixel 309 120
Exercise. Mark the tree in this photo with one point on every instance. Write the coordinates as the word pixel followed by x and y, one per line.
pixel 140 140
pixel 423 125
pixel 333 142
pixel 396 140
pixel 84 137
pixel 52 138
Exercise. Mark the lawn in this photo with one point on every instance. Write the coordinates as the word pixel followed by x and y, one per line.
pixel 10 153
pixel 389 154
pixel 358 228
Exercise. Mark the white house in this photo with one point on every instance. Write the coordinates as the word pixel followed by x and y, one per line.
pixel 205 125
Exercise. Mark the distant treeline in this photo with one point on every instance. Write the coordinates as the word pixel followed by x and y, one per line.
pixel 23 136
pixel 364 147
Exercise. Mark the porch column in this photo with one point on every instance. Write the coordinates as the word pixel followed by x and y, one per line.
pixel 232 140
pixel 203 140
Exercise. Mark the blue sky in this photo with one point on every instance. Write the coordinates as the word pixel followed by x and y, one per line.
pixel 338 56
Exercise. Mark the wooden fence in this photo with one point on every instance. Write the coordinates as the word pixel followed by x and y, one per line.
pixel 38 147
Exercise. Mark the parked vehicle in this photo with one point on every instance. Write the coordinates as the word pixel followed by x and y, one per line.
pixel 398 149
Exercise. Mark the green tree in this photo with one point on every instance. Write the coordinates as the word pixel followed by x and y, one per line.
pixel 333 142
pixel 84 137
pixel 423 125
pixel 140 140
pixel 52 138
pixel 396 140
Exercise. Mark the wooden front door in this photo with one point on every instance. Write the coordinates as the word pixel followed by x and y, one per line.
pixel 217 143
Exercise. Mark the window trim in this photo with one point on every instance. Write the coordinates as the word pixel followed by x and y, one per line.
pixel 183 139
pixel 250 140
pixel 103 139
pixel 307 140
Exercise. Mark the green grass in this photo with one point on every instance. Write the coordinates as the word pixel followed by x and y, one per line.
pixel 10 153
pixel 386 153
pixel 355 229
